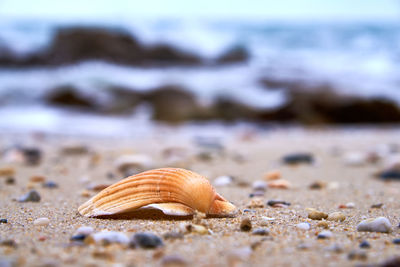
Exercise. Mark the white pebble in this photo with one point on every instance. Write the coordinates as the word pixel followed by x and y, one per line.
pixel 84 230
pixel 111 237
pixel 325 234
pixel 223 180
pixel 355 159
pixel 350 205
pixel 260 185
pixel 380 224
pixel 303 226
pixel 41 221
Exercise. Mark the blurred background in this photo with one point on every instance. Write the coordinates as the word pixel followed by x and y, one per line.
pixel 89 66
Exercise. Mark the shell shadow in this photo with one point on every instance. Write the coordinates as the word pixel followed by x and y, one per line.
pixel 145 214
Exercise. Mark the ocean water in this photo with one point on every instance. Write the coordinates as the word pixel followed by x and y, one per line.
pixel 354 57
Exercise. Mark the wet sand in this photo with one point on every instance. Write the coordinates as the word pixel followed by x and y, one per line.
pixel 247 156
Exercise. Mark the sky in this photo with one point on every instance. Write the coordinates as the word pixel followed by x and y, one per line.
pixel 318 9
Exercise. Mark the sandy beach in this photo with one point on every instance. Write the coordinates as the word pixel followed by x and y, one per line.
pixel 77 165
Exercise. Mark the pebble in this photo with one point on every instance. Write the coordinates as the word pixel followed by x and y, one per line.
pixel 31 196
pixel 349 205
pixel 37 179
pixel 107 237
pixel 323 224
pixel 9 243
pixel 173 235
pixel 265 221
pixel 275 202
pixel 173 260
pixel 315 214
pixel 298 158
pixel 390 175
pixel 380 224
pixel 7 171
pixel 32 156
pixel 261 231
pixel 10 180
pixel 50 184
pixel 335 248
pixel 336 217
pixel 391 262
pixel 357 255
pixel 245 225
pixel 84 230
pixel 377 206
pixel 132 164
pixel 303 226
pixel 3 221
pixel 259 185
pixel 145 240
pixel 325 235
pixel 317 185
pixel 74 150
pixel 224 180
pixel 396 241
pixel 259 193
pixel 199 229
pixel 272 175
pixel 280 184
pixel 256 202
pixel 355 159
pixel 365 244
pixel 41 221
pixel 78 237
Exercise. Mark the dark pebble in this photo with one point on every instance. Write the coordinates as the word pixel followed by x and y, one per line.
pixel 365 244
pixel 3 221
pixel 273 202
pixel 377 206
pixel 260 231
pixel 173 235
pixel 10 180
pixel 31 196
pixel 298 158
pixel 245 225
pixel 79 237
pixel 390 175
pixel 257 193
pixel 145 240
pixel 50 184
pixel 248 210
pixel 9 243
pixel 392 262
pixel 396 241
pixel 33 156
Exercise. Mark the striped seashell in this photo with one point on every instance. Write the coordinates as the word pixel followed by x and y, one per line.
pixel 174 191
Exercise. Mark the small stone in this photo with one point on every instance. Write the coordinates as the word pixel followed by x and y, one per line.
pixel 317 185
pixel 107 237
pixel 7 171
pixel 245 225
pixel 365 244
pixel 50 184
pixel 97 187
pixel 277 203
pixel 335 248
pixel 349 205
pixel 259 193
pixel 355 159
pixel 132 164
pixel 224 180
pixel 336 217
pixel 280 184
pixel 259 185
pixel 323 224
pixel 325 235
pixel 85 193
pixel 261 231
pixel 391 262
pixel 380 224
pixel 32 156
pixel 3 221
pixel 145 240
pixel 41 221
pixel 173 235
pixel 31 196
pixel 37 179
pixel 315 214
pixel 272 175
pixel 9 243
pixel 357 255
pixel 388 175
pixel 396 241
pixel 84 230
pixel 298 158
pixel 173 260
pixel 10 180
pixel 377 206
pixel 74 150
pixel 78 237
pixel 303 226
pixel 256 202
pixel 198 229
pixel 265 221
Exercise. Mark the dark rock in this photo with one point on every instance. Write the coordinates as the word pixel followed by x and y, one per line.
pixel 258 193
pixel 245 225
pixel 31 196
pixel 235 54
pixel 396 241
pixel 3 221
pixel 78 237
pixel 50 184
pixel 273 202
pixel 9 243
pixel 122 100
pixel 390 175
pixel 377 206
pixel 145 240
pixel 33 156
pixel 69 96
pixel 10 180
pixel 260 231
pixel 298 158
pixel 392 262
pixel 365 244
pixel 166 55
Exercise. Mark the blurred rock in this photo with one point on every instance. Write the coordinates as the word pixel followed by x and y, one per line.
pixel 69 96
pixel 235 54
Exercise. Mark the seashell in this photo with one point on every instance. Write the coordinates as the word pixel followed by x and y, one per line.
pixel 174 191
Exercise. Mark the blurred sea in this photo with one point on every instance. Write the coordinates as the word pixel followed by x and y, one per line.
pixel 360 58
